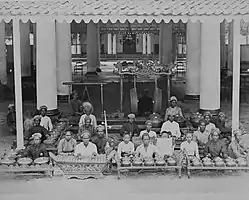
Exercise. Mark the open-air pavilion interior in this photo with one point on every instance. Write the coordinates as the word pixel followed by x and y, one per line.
pixel 203 36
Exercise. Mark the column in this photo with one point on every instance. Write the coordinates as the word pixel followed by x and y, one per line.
pixel 109 43
pixel 222 44
pixel 18 82
pixel 193 60
pixel 144 43
pixel 114 44
pixel 46 66
pixel 64 57
pixel 152 43
pixel 93 61
pixel 34 44
pixel 230 48
pixel 210 66
pixel 3 64
pixel 25 44
pixel 148 43
pixel 236 74
pixel 165 44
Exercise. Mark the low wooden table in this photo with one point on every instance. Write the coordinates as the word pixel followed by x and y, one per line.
pixel 211 168
pixel 151 168
pixel 32 170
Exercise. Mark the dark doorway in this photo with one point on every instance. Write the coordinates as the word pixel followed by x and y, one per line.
pixel 129 45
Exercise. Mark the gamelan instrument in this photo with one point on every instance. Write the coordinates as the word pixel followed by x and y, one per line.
pixel 26 166
pixel 217 163
pixel 83 167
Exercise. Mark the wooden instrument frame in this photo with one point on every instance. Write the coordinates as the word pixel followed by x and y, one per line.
pixel 211 168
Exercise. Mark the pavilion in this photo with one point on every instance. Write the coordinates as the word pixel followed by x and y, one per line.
pixel 53 53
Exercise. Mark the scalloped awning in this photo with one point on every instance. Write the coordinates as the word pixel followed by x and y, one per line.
pixel 123 10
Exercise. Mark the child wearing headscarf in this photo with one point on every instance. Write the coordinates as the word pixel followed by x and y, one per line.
pixel 45 120
pixel 37 149
pixel 100 140
pixel 173 109
pixel 87 126
pixel 37 128
pixel 88 109
pixel 130 127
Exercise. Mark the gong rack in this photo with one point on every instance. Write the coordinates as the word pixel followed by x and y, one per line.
pixel 190 168
pixel 154 168
pixel 135 74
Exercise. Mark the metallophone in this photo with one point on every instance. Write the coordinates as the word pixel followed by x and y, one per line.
pixel 208 164
pixel 155 165
pixel 26 166
pixel 84 167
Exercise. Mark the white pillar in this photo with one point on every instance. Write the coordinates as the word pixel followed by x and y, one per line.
pixel 152 43
pixel 109 43
pixel 64 57
pixel 34 44
pixel 93 59
pixel 236 75
pixel 144 43
pixel 148 43
pixel 18 82
pixel 230 48
pixel 210 66
pixel 26 49
pixel 46 65
pixel 223 44
pixel 165 44
pixel 78 48
pixel 193 59
pixel 114 44
pixel 3 65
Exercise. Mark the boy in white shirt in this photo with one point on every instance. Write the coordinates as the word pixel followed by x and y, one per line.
pixel 171 126
pixel 190 147
pixel 45 120
pixel 126 147
pixel 148 130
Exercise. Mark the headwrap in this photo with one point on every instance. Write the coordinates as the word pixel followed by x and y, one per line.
pixel 36 135
pixel 173 98
pixel 100 128
pixel 37 117
pixel 148 122
pixel 87 106
pixel 215 130
pixel 87 118
pixel 131 116
pixel 85 133
pixel 221 114
pixel 44 107
pixel 208 114
pixel 11 105
pixel 237 132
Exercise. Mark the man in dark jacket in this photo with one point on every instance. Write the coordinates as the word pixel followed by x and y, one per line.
pixel 145 104
pixel 130 127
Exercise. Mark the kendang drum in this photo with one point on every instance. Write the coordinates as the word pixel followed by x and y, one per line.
pixel 81 168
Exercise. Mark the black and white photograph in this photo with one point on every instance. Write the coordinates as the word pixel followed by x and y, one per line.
pixel 124 99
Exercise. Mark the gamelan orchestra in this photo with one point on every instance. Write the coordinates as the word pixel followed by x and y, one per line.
pixel 162 143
